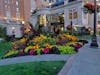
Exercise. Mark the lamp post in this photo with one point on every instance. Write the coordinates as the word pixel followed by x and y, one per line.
pixel 71 23
pixel 13 33
pixel 94 38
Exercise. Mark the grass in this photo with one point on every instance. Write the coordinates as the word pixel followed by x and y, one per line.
pixel 4 46
pixel 33 68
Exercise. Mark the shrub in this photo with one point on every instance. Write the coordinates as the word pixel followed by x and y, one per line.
pixel 54 50
pixel 2 32
pixel 66 50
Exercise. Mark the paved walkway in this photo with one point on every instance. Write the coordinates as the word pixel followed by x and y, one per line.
pixel 51 57
pixel 86 62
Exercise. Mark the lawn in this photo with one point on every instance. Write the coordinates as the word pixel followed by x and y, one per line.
pixel 33 68
pixel 4 46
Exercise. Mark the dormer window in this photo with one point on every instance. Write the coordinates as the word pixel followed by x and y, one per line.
pixel 71 0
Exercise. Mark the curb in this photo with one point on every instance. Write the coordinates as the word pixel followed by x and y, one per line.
pixel 67 66
pixel 22 59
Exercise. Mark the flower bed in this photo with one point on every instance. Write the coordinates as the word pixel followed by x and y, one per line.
pixel 38 45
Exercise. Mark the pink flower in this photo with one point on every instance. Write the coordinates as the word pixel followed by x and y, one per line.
pixel 31 52
pixel 45 50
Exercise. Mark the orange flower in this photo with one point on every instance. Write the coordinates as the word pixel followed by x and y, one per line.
pixel 36 46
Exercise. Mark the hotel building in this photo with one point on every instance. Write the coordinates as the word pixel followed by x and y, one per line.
pixel 61 13
pixel 51 14
pixel 13 14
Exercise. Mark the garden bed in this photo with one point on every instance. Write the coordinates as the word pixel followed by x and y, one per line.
pixel 42 44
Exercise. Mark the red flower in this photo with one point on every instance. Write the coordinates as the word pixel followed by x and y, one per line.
pixel 78 46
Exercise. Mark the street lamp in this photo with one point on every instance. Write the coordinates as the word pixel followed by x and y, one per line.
pixel 13 33
pixel 94 39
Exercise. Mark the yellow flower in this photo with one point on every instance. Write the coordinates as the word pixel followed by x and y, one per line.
pixel 48 45
pixel 39 39
pixel 69 37
pixel 36 46
pixel 70 43
pixel 23 40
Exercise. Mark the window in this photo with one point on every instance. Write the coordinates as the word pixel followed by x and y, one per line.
pixel 5 1
pixel 70 14
pixel 71 0
pixel 17 9
pixel 18 15
pixel 6 6
pixel 75 14
pixel 41 19
pixel 45 0
pixel 8 2
pixel 17 3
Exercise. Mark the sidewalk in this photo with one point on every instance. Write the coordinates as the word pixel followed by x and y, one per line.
pixel 51 57
pixel 86 62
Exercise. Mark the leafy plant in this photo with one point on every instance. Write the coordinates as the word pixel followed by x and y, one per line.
pixel 39 51
pixel 66 50
pixel 11 53
pixel 27 49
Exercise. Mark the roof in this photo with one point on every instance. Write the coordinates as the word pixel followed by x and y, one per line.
pixel 60 2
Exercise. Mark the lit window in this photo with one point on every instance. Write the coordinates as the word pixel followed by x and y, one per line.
pixel 75 14
pixel 5 6
pixel 70 14
pixel 17 3
pixel 41 20
pixel 17 9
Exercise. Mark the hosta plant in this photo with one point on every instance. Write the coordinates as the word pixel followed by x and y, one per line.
pixel 10 53
pixel 66 49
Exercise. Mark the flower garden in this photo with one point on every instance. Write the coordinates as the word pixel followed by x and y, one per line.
pixel 43 44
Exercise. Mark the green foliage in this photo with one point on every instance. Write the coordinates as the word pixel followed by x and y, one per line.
pixel 27 49
pixel 66 50
pixel 48 40
pixel 39 51
pixel 10 53
pixel 4 46
pixel 2 32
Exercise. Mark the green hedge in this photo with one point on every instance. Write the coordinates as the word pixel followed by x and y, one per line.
pixel 2 32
